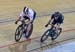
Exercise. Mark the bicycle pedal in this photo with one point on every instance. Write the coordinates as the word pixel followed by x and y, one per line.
pixel 52 39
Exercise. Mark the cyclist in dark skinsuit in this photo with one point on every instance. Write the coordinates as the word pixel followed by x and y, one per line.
pixel 56 19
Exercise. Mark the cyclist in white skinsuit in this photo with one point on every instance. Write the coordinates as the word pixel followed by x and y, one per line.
pixel 29 15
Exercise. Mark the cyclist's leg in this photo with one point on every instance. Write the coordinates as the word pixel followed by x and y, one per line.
pixel 57 27
pixel 52 28
pixel 26 21
pixel 27 31
pixel 59 22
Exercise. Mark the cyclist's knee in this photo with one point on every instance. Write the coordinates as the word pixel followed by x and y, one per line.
pixel 29 27
pixel 58 26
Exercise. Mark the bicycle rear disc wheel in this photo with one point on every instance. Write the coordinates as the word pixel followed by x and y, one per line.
pixel 18 33
pixel 45 36
pixel 56 35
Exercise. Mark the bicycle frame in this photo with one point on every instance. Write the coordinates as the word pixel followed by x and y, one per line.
pixel 24 26
pixel 52 33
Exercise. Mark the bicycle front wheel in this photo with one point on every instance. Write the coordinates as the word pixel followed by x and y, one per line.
pixel 18 33
pixel 45 36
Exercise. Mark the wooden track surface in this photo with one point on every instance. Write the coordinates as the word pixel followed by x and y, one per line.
pixel 10 9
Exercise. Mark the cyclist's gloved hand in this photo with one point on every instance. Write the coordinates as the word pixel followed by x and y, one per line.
pixel 46 25
pixel 15 22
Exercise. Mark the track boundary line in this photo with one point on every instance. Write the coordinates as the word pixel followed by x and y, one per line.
pixel 3 46
pixel 48 14
pixel 51 44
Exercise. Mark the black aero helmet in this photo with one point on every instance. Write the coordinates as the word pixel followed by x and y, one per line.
pixel 25 10
pixel 57 14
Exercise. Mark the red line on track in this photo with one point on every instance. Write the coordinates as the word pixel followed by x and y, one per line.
pixel 30 39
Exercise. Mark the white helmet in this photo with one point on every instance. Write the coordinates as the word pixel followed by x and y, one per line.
pixel 25 10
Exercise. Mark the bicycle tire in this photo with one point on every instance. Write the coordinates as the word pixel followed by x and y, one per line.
pixel 56 35
pixel 17 33
pixel 46 34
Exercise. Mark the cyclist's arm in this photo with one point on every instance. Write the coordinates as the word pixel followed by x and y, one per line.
pixel 51 20
pixel 19 18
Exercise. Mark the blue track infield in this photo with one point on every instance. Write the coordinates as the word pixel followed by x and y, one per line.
pixel 69 47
